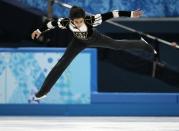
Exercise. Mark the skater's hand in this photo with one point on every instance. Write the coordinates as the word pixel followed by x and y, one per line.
pixel 35 34
pixel 137 13
pixel 174 44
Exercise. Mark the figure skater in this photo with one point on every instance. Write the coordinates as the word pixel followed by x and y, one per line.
pixel 84 36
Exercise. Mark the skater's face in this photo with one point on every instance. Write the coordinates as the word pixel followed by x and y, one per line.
pixel 78 22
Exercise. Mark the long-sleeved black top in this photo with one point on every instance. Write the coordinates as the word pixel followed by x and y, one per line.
pixel 86 29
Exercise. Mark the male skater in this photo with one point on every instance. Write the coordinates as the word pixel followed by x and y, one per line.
pixel 84 35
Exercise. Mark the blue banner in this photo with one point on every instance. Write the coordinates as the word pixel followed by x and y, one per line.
pixel 22 72
pixel 151 8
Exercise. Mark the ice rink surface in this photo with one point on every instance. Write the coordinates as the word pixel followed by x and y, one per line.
pixel 89 123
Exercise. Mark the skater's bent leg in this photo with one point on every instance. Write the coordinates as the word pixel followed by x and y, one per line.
pixel 107 42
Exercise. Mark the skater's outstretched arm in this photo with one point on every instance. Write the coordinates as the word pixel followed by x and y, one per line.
pixel 99 18
pixel 48 25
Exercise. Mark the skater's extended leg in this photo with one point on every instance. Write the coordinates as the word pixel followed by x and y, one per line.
pixel 73 49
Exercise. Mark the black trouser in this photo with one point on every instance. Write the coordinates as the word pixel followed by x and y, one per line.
pixel 76 46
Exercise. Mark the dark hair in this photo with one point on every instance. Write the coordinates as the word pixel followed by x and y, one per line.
pixel 76 12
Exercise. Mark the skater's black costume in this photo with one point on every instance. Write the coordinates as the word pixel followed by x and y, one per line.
pixel 86 36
